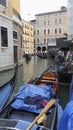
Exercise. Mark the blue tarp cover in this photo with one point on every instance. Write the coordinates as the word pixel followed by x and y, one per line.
pixel 66 122
pixel 32 97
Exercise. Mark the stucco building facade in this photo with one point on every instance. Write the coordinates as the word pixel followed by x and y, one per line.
pixel 11 43
pixel 6 49
pixel 49 26
pixel 70 20
pixel 70 24
pixel 28 39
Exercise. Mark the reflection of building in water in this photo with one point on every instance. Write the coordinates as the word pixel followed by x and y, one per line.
pixel 28 70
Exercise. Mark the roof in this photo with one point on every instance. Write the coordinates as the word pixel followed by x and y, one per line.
pixel 53 12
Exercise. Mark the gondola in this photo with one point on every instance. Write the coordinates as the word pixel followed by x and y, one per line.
pixel 66 121
pixel 28 57
pixel 64 72
pixel 39 109
pixel 6 90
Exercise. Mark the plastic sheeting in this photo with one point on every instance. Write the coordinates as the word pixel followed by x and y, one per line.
pixel 41 94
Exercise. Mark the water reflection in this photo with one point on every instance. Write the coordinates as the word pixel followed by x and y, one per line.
pixel 63 94
pixel 19 78
pixel 30 69
pixel 5 76
pixel 35 66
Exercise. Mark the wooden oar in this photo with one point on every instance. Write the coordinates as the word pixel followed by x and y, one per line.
pixel 49 104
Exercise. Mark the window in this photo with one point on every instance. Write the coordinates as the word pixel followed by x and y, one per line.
pixel 47 40
pixel 3 2
pixel 49 22
pixel 60 21
pixel 34 32
pixel 38 32
pixel 21 41
pixel 55 21
pixel 37 23
pixel 44 40
pixel 15 35
pixel 44 31
pixel 38 41
pixel 48 31
pixel 4 37
pixel 60 30
pixel 44 22
pixel 55 30
pixel 34 41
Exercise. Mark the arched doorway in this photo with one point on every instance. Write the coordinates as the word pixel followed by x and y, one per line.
pixel 38 49
pixel 43 49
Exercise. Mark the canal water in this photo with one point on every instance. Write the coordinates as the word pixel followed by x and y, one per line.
pixel 30 70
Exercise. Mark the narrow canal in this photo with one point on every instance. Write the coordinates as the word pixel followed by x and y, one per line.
pixel 32 69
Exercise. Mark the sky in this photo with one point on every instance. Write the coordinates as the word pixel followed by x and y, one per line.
pixel 29 8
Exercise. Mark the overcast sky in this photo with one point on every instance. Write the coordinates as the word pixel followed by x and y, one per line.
pixel 29 8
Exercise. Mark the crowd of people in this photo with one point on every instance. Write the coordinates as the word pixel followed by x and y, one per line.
pixel 61 56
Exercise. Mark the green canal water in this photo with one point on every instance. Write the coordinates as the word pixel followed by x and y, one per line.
pixel 32 69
